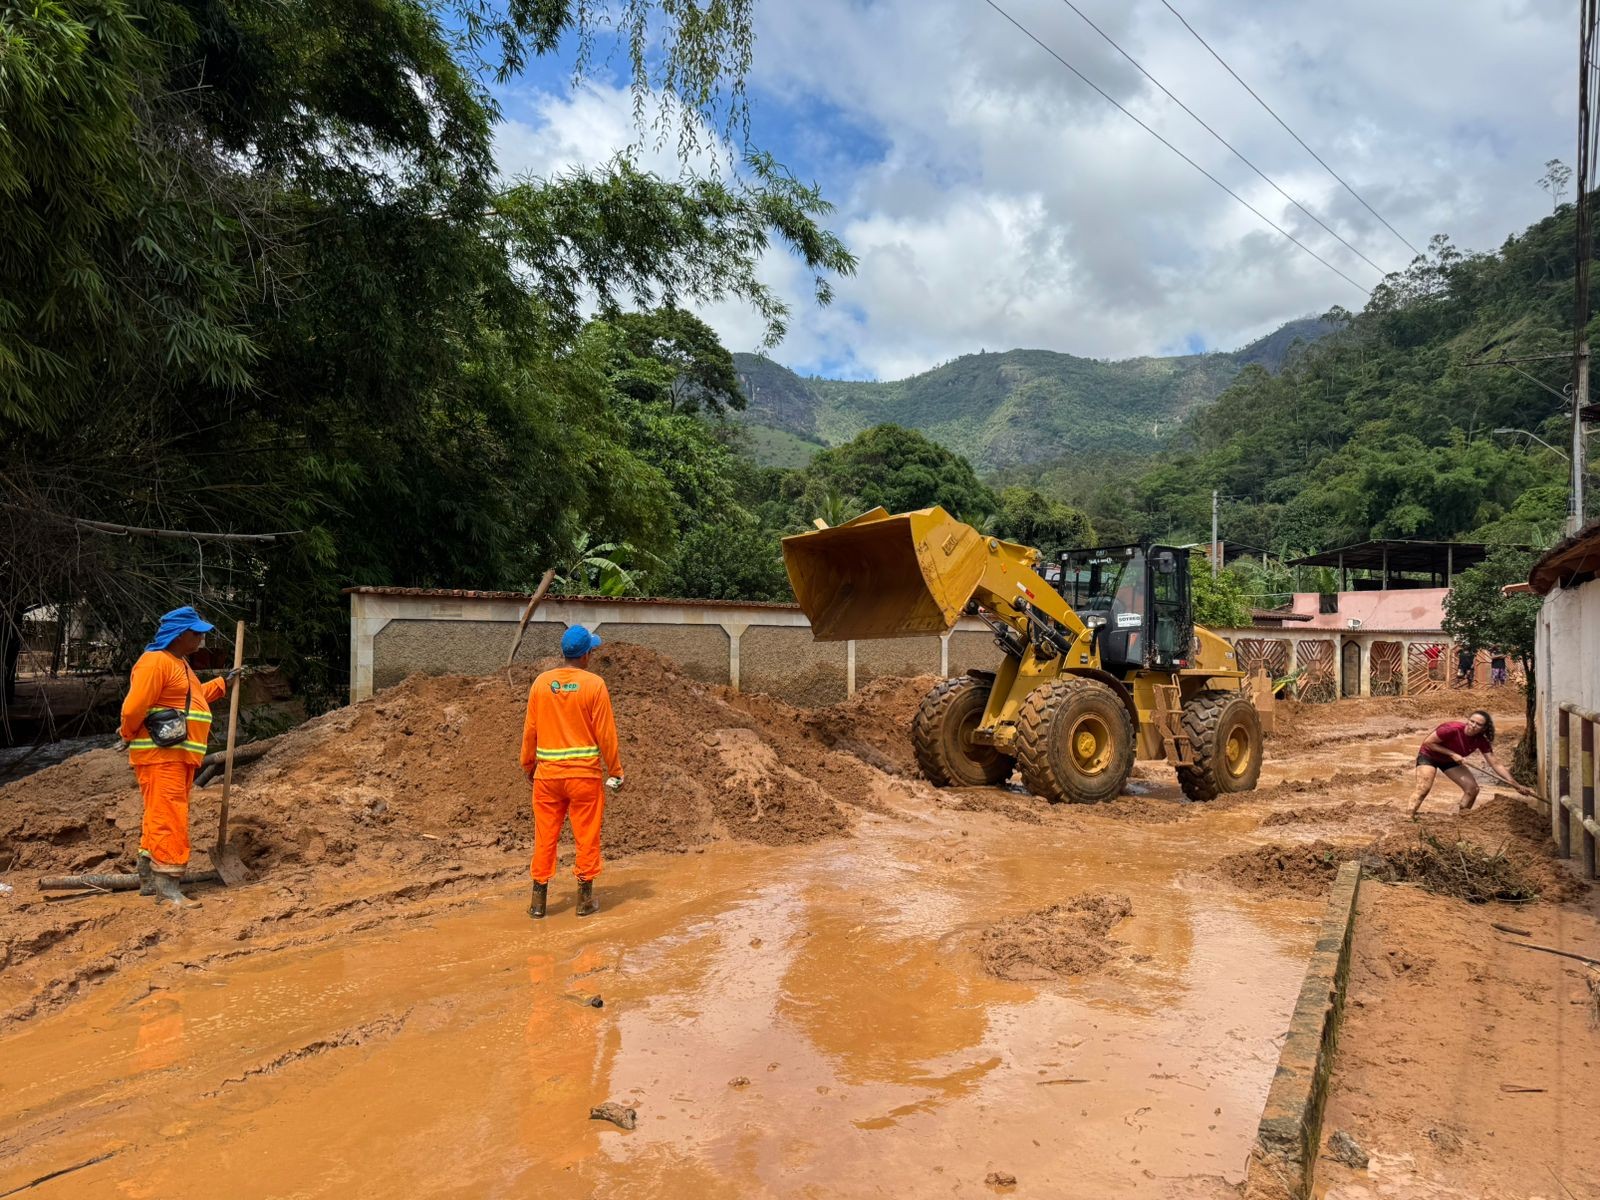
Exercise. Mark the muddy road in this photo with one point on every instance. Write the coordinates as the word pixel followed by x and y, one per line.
pixel 881 998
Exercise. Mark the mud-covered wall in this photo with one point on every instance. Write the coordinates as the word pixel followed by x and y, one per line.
pixel 701 650
pixel 432 647
pixel 896 656
pixel 973 648
pixel 786 662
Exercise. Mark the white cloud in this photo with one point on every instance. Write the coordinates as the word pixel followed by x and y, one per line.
pixel 1004 204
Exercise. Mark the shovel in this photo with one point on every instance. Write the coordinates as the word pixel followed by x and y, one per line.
pixel 230 867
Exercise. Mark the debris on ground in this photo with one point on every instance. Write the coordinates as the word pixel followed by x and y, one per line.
pixel 618 1114
pixel 739 1081
pixel 1000 1179
pixel 1048 943
pixel 438 755
pixel 1342 1148
pixel 1499 851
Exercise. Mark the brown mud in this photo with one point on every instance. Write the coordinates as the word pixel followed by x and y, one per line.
pixel 784 907
pixel 1501 843
pixel 1049 943
pixel 1467 1064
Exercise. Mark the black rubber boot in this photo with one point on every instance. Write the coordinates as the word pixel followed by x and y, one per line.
pixel 146 887
pixel 587 904
pixel 167 891
pixel 541 893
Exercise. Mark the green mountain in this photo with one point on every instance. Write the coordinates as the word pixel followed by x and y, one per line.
pixel 1005 409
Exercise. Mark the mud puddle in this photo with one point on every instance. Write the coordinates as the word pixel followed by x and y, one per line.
pixel 796 1021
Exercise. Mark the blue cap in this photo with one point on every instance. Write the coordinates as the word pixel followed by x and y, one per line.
pixel 577 641
pixel 179 620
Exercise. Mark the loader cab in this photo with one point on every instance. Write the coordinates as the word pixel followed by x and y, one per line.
pixel 1135 600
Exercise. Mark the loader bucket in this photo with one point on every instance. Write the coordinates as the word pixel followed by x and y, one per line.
pixel 882 576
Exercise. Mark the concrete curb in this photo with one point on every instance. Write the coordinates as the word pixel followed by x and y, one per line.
pixel 1284 1160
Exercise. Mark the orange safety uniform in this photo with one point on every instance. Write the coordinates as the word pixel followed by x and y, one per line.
pixel 569 746
pixel 166 773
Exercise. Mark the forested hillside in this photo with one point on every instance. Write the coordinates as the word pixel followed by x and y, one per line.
pixel 1384 429
pixel 1000 410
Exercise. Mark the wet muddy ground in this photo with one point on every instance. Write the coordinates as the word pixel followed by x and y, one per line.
pixel 811 1019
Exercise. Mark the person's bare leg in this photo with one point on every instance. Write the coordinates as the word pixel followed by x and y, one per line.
pixel 1425 776
pixel 1468 783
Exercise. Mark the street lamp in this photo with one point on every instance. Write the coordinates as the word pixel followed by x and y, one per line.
pixel 1536 438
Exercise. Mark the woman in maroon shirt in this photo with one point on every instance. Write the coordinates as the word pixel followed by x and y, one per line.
pixel 1447 750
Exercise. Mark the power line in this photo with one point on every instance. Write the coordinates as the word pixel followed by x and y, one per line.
pixel 1112 100
pixel 1235 151
pixel 1291 132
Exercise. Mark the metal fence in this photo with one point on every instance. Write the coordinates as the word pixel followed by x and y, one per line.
pixel 1567 811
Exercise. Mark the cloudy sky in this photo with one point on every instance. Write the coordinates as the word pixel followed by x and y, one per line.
pixel 995 201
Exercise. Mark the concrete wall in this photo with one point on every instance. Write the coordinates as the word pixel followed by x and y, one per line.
pixel 1567 664
pixel 899 656
pixel 766 648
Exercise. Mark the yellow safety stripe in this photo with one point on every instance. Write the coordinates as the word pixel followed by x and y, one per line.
pixel 192 715
pixel 147 744
pixel 572 752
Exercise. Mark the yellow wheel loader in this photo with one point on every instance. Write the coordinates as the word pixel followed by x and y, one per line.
pixel 1102 662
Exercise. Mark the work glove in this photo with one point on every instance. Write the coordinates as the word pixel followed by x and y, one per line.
pixel 233 673
pixel 614 784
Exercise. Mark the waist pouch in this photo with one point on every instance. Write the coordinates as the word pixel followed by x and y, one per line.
pixel 168 726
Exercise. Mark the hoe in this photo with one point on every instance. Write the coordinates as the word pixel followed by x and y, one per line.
pixel 1102 662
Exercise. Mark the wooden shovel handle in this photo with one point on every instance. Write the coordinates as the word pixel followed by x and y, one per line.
pixel 544 586
pixel 233 733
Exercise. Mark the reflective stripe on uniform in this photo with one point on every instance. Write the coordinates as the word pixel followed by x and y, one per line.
pixel 147 744
pixel 572 752
pixel 191 715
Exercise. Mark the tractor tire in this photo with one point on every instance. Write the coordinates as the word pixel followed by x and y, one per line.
pixel 941 735
pixel 1225 731
pixel 1074 741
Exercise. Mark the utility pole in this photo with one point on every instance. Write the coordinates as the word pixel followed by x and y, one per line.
pixel 1216 550
pixel 1587 12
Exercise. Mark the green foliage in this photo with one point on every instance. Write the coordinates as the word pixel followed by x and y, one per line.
pixel 895 467
pixel 690 367
pixel 1382 429
pixel 1027 517
pixel 123 251
pixel 257 273
pixel 1219 603
pixel 1478 615
pixel 731 559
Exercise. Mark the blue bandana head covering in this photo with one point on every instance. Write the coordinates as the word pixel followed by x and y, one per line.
pixel 578 641
pixel 179 620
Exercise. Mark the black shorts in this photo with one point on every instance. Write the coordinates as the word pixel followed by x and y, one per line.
pixel 1443 764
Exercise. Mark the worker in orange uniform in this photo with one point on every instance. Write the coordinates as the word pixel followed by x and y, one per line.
pixel 166 722
pixel 569 751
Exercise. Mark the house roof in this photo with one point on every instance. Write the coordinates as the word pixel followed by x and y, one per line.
pixel 1435 557
pixel 1278 614
pixel 1570 561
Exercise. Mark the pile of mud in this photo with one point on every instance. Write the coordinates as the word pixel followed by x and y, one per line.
pixel 1049 943
pixel 1328 814
pixel 437 758
pixel 874 725
pixel 1499 851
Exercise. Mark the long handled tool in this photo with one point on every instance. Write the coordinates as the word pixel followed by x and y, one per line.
pixel 533 603
pixel 230 867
